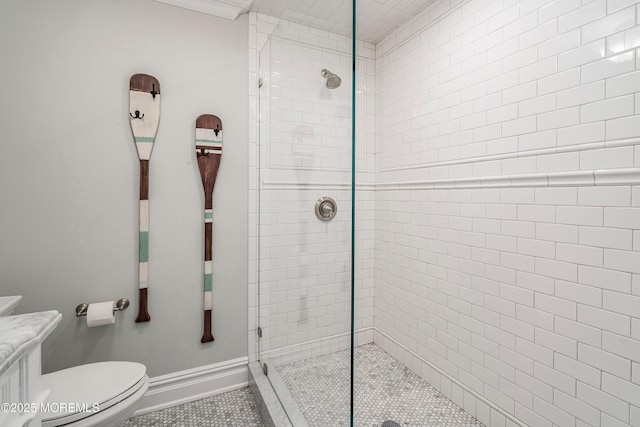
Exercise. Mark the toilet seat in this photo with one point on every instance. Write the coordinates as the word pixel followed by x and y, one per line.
pixel 75 391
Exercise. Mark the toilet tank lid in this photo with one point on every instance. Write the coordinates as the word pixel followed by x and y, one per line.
pixel 93 383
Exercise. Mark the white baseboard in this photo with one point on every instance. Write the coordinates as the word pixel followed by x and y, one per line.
pixel 186 386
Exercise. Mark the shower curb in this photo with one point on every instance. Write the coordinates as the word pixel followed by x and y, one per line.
pixel 269 407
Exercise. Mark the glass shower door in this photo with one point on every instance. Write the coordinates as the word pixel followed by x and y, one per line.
pixel 305 224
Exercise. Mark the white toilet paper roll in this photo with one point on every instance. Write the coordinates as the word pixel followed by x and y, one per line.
pixel 100 313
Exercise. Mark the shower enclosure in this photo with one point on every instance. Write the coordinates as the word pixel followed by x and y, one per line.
pixel 306 159
pixel 305 141
pixel 447 194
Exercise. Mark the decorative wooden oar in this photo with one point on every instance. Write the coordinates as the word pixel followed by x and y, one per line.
pixel 144 115
pixel 209 154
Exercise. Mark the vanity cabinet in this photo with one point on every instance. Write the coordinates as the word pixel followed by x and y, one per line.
pixel 21 391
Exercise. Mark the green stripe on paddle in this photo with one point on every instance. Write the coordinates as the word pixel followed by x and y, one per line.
pixel 144 246
pixel 144 138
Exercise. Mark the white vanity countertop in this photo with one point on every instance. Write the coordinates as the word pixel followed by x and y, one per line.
pixel 20 333
pixel 8 304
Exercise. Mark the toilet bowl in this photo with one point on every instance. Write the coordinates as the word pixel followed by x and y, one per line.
pixel 101 394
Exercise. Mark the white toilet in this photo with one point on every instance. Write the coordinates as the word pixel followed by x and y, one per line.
pixel 116 388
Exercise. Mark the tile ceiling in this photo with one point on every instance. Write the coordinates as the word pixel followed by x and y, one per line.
pixel 374 18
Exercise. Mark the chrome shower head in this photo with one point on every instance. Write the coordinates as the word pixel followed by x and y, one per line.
pixel 333 81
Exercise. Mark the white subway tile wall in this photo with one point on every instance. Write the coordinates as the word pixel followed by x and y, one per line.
pixel 524 290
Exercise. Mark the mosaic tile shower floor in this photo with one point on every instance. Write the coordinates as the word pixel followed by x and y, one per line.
pixel 385 390
pixel 233 409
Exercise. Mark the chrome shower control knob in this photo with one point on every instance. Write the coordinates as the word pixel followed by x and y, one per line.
pixel 326 208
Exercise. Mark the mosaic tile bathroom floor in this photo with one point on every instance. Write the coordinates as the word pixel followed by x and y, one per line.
pixel 385 390
pixel 233 409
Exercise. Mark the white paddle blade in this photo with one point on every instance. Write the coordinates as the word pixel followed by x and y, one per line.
pixel 144 112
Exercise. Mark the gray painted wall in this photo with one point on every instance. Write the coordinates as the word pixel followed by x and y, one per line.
pixel 69 176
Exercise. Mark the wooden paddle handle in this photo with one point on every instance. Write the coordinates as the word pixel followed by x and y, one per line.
pixel 143 314
pixel 207 335
pixel 208 276
pixel 143 248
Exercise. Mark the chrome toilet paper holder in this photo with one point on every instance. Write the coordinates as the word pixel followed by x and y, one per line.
pixel 121 304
